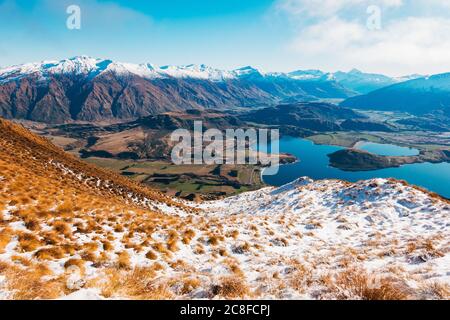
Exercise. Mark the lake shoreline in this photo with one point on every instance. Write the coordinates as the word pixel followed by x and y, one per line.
pixel 430 172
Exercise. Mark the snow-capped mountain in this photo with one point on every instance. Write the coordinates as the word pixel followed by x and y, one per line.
pixel 425 95
pixel 355 80
pixel 88 66
pixel 88 89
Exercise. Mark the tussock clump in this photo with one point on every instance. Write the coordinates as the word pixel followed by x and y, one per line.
pixel 232 234
pixel 357 284
pixel 32 224
pixel 188 235
pixel 241 248
pixel 21 260
pixel 231 287
pixel 151 255
pixel 138 283
pixel 63 228
pixel 75 263
pixel 435 290
pixel 5 237
pixel 49 253
pixel 189 285
pixel 199 249
pixel 28 284
pixel 107 246
pixel 123 260
pixel 28 242
pixel 51 238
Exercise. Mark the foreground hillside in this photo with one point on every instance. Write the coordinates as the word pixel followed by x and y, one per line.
pixel 70 230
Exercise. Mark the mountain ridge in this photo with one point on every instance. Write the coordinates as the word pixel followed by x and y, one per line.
pixel 86 89
pixel 422 96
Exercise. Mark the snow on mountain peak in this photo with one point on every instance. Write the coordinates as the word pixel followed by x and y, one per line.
pixel 91 67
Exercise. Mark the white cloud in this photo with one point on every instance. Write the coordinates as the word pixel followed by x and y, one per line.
pixel 413 43
pixel 327 8
pixel 405 46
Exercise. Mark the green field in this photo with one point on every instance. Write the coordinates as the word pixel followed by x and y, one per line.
pixel 183 180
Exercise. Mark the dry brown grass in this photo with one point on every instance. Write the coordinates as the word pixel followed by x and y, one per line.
pixel 231 287
pixel 63 228
pixel 75 263
pixel 5 238
pixel 49 253
pixel 151 255
pixel 27 284
pixel 21 260
pixel 138 283
pixel 358 284
pixel 28 242
pixel 123 260
pixel 435 290
pixel 188 235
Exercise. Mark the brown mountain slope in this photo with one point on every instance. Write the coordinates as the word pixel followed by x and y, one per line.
pixel 26 151
pixel 109 96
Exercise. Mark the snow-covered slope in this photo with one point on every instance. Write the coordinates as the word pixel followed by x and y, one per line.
pixel 84 65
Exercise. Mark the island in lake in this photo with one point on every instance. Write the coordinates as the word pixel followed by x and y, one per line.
pixel 360 160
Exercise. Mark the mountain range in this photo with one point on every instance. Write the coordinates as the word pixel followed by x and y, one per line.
pixel 87 89
pixel 422 96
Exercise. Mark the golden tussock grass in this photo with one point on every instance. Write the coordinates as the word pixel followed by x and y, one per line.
pixel 63 228
pixel 5 237
pixel 51 237
pixel 189 285
pixel 435 290
pixel 358 284
pixel 151 255
pixel 28 242
pixel 199 249
pixel 27 284
pixel 232 234
pixel 172 245
pixel 233 266
pixel 32 224
pixel 107 246
pixel 188 235
pixel 231 287
pixel 51 253
pixel 123 260
pixel 241 248
pixel 26 262
pixel 75 263
pixel 301 276
pixel 135 284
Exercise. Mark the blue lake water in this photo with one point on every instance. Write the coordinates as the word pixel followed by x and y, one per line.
pixel 314 163
pixel 387 149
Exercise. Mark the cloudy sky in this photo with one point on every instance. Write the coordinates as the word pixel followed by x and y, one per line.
pixel 394 37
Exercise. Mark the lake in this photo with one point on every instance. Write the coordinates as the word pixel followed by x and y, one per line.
pixel 387 149
pixel 314 163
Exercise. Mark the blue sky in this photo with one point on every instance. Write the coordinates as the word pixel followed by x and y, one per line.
pixel 275 35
